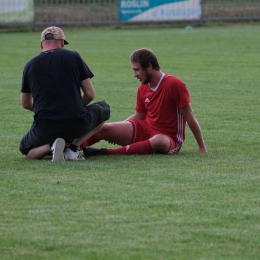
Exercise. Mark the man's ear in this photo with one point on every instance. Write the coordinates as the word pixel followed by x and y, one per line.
pixel 150 66
pixel 41 46
pixel 62 44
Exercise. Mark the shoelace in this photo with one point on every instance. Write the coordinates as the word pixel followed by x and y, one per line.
pixel 80 157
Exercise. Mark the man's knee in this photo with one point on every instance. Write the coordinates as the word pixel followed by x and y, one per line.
pixel 160 143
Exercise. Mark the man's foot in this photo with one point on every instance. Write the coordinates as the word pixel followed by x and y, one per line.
pixel 57 150
pixel 91 151
pixel 73 156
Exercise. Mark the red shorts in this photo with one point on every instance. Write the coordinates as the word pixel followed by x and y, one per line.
pixel 142 132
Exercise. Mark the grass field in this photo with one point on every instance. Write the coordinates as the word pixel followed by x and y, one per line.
pixel 188 206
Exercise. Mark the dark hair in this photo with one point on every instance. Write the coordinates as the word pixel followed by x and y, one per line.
pixel 145 57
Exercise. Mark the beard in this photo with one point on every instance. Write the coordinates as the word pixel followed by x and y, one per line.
pixel 147 78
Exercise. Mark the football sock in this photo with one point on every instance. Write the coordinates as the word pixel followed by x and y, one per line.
pixel 92 140
pixel 74 147
pixel 143 147
pixel 91 151
pixel 83 145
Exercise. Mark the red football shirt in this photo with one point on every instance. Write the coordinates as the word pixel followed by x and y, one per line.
pixel 162 106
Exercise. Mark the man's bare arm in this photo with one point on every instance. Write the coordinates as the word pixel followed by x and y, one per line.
pixel 27 101
pixel 194 127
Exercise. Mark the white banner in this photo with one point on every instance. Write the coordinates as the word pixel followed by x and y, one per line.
pixel 16 11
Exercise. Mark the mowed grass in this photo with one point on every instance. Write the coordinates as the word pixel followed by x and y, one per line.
pixel 188 206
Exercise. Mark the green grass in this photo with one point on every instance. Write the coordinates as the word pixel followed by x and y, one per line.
pixel 188 206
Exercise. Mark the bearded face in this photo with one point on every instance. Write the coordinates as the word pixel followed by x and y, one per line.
pixel 146 77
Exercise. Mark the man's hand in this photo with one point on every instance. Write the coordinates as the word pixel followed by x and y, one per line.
pixel 88 91
pixel 203 150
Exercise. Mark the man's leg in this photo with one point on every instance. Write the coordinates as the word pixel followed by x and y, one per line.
pixel 156 144
pixel 143 147
pixel 72 152
pixel 116 133
pixel 90 141
pixel 98 113
pixel 57 149
pixel 35 145
pixel 39 152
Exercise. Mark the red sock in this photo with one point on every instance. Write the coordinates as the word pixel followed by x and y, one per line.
pixel 143 147
pixel 92 140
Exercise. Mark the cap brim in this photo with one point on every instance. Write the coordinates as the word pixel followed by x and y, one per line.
pixel 65 42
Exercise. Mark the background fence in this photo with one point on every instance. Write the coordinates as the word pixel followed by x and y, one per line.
pixel 107 12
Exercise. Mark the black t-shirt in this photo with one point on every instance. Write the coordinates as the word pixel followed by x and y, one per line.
pixel 53 78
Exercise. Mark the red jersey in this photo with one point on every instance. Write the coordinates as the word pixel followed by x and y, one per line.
pixel 161 106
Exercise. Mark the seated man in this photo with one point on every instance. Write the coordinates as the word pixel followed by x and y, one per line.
pixel 162 110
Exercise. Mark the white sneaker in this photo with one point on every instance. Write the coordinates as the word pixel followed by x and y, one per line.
pixel 73 156
pixel 57 150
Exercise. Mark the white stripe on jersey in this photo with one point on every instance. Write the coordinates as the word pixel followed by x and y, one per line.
pixel 179 133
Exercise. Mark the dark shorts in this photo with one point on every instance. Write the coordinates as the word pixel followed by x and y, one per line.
pixel 98 113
